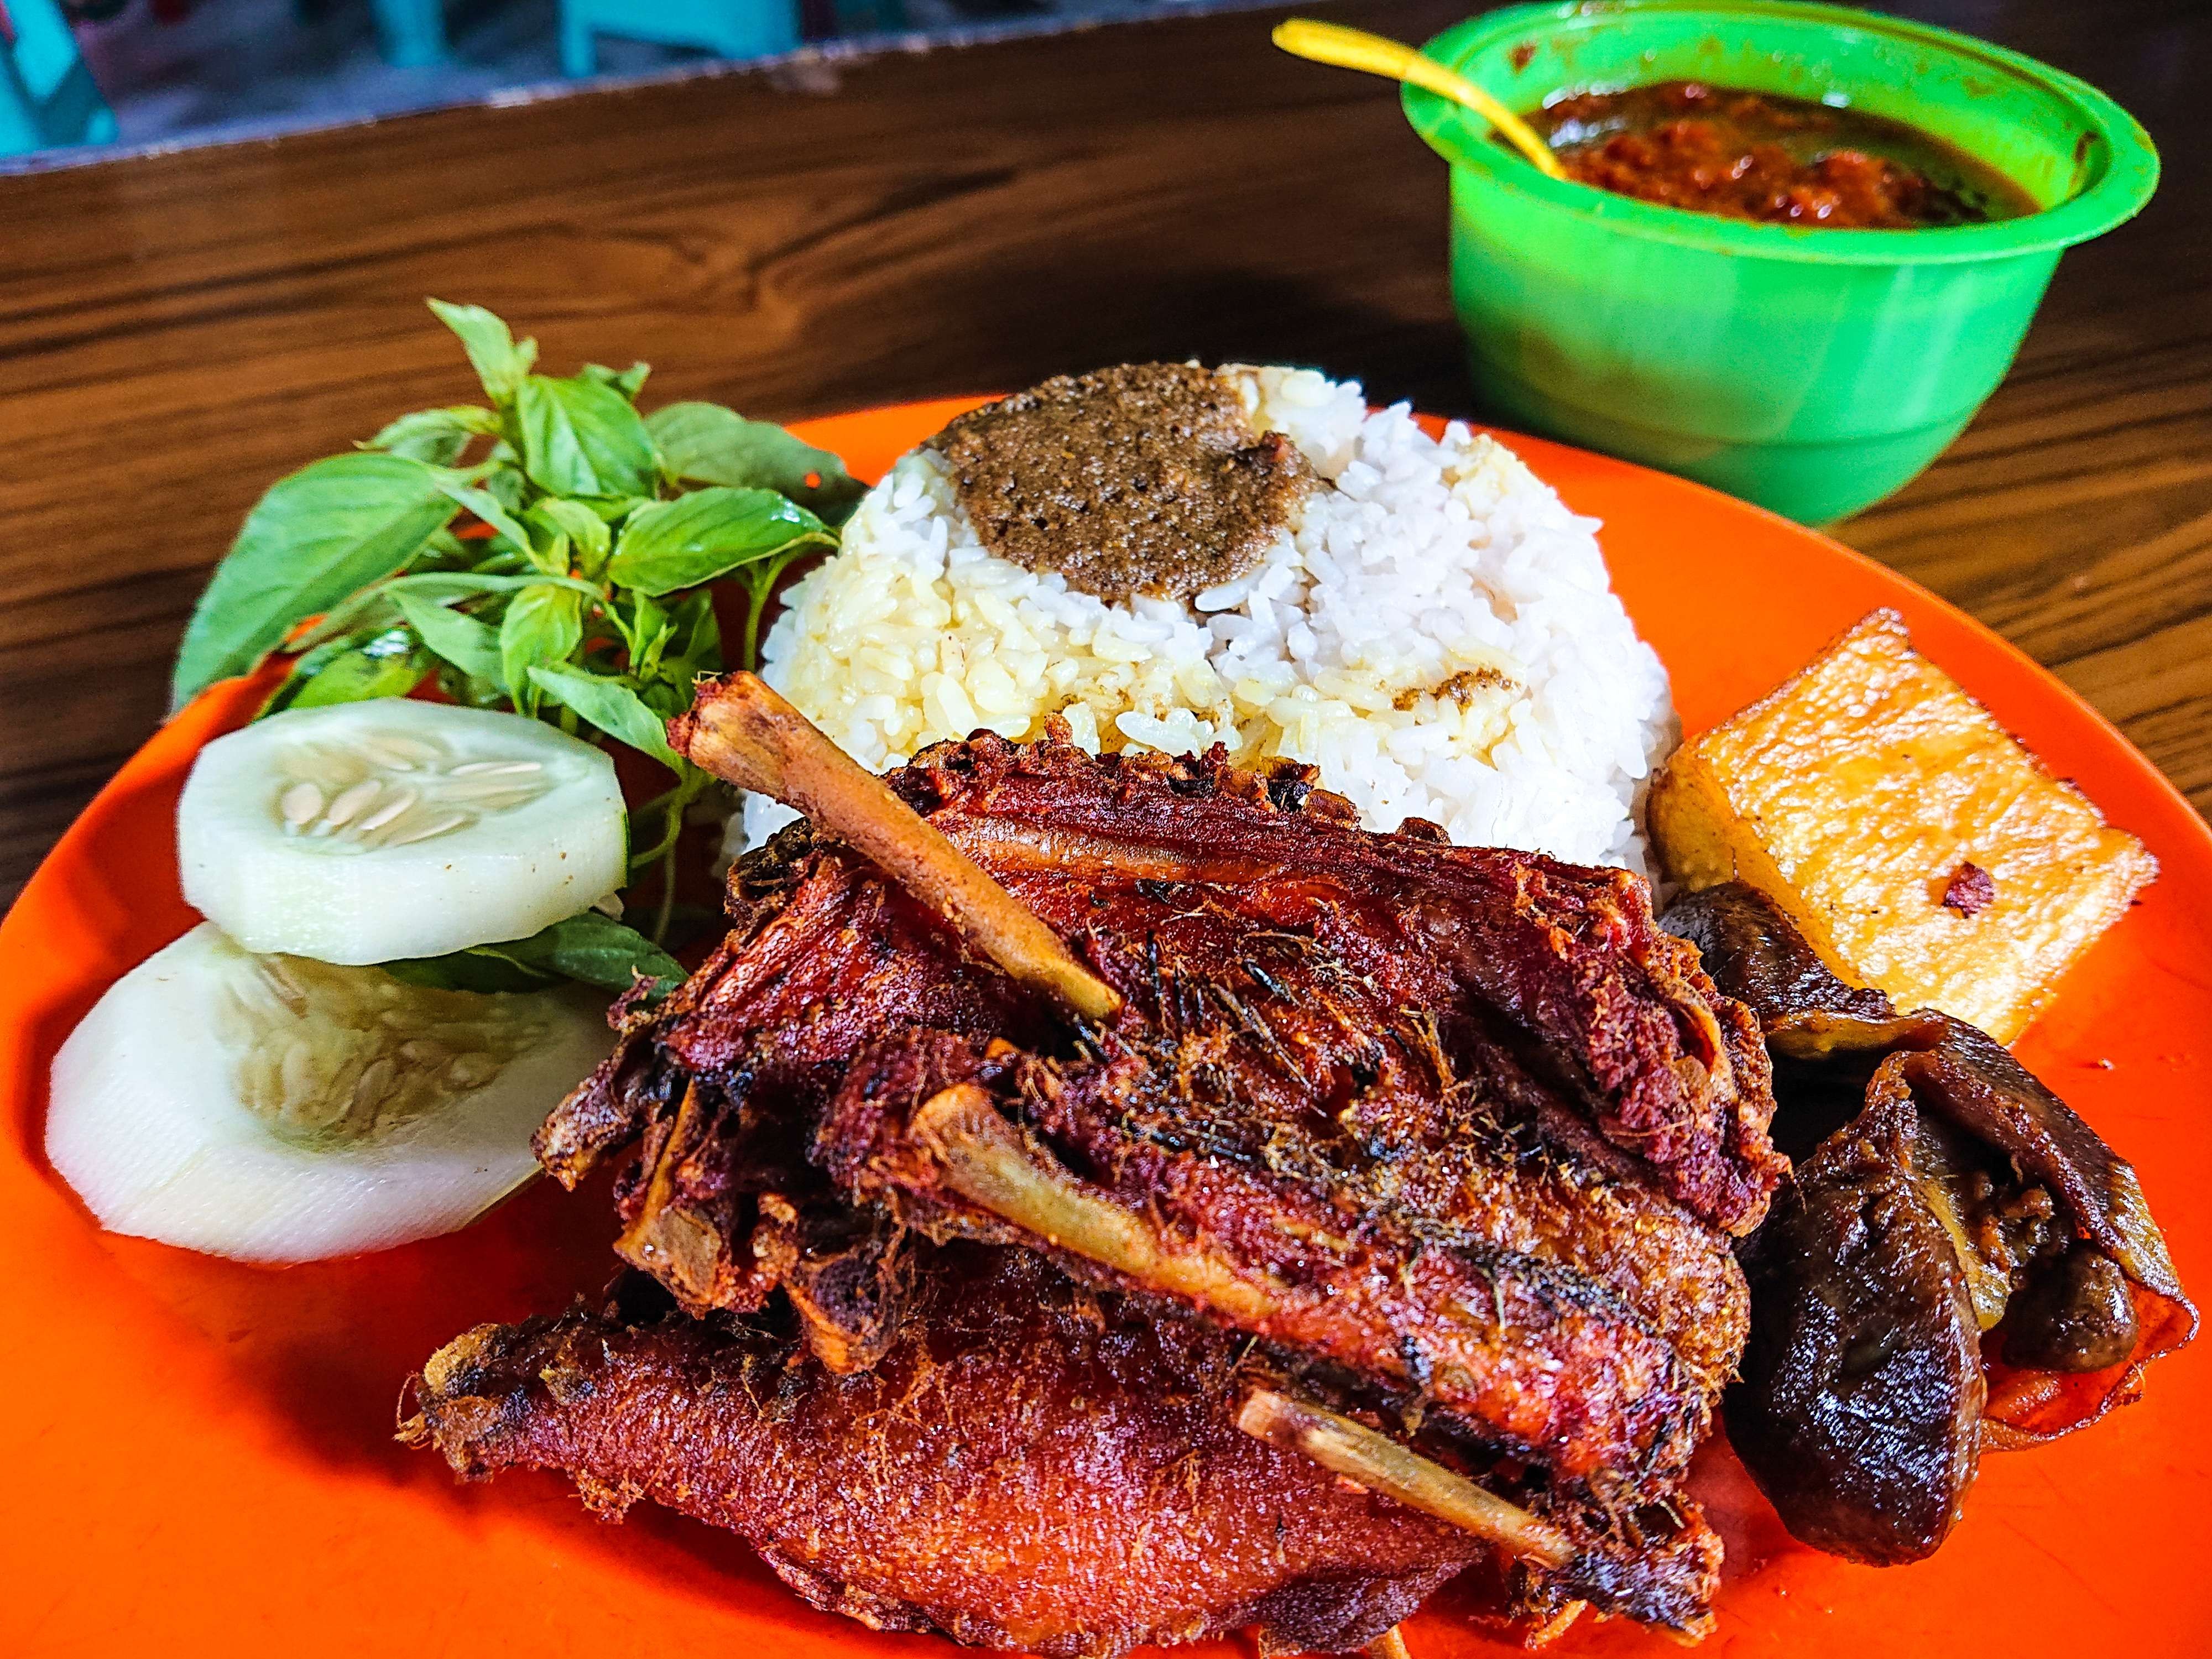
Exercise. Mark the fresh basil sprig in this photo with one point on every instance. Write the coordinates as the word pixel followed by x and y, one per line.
pixel 709 444
pixel 550 550
pixel 317 537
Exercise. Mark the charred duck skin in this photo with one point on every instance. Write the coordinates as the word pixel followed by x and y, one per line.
pixel 1654 1073
pixel 1547 1360
pixel 1428 1089
pixel 1027 1466
pixel 1947 1205
pixel 1661 1076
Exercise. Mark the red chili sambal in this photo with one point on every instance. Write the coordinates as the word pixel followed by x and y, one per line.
pixel 1762 156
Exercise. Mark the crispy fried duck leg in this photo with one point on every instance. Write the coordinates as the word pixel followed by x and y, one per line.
pixel 986 1164
pixel 1532 1358
pixel 1381 1464
pixel 744 733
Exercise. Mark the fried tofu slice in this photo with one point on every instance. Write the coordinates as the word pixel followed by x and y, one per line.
pixel 1913 840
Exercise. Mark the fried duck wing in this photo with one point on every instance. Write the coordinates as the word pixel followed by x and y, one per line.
pixel 1477 1318
pixel 1027 1466
pixel 1568 962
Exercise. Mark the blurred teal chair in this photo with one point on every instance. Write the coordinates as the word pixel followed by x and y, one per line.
pixel 733 28
pixel 47 96
pixel 411 32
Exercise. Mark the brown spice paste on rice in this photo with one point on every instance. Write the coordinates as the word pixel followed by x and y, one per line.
pixel 1146 478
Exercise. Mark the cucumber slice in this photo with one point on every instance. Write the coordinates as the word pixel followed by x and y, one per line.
pixel 275 1109
pixel 371 831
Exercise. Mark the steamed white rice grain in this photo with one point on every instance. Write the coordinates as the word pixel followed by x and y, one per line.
pixel 1436 635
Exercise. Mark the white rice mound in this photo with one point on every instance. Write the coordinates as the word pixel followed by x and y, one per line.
pixel 1437 636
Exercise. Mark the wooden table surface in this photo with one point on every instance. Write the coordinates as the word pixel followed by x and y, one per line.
pixel 179 330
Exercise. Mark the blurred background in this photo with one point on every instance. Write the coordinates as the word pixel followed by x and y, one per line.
pixel 80 79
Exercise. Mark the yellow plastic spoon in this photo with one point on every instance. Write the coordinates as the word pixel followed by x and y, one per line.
pixel 1375 54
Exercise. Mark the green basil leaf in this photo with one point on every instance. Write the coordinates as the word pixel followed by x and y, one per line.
pixel 305 667
pixel 505 485
pixel 595 949
pixel 582 527
pixel 709 444
pixel 470 646
pixel 695 644
pixel 708 534
pixel 483 971
pixel 698 634
pixel 591 949
pixel 487 507
pixel 435 436
pixel 499 361
pixel 612 707
pixel 376 607
pixel 664 697
pixel 646 632
pixel 542 626
pixel 388 665
pixel 581 438
pixel 628 381
pixel 643 512
pixel 332 527
pixel 445 551
pixel 384 664
pixel 471 690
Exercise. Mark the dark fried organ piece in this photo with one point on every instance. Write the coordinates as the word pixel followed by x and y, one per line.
pixel 1859 1405
pixel 2070 1292
pixel 2078 1316
pixel 1411 1092
pixel 1027 1466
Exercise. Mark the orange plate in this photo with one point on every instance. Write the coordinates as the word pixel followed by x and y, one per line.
pixel 198 1456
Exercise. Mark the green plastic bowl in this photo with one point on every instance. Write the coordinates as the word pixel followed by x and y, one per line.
pixel 1813 371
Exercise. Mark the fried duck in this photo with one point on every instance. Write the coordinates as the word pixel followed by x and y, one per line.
pixel 1456 1132
pixel 1411 1108
pixel 1958 1263
pixel 1028 1465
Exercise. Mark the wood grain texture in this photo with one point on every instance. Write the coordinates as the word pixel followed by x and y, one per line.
pixel 179 331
